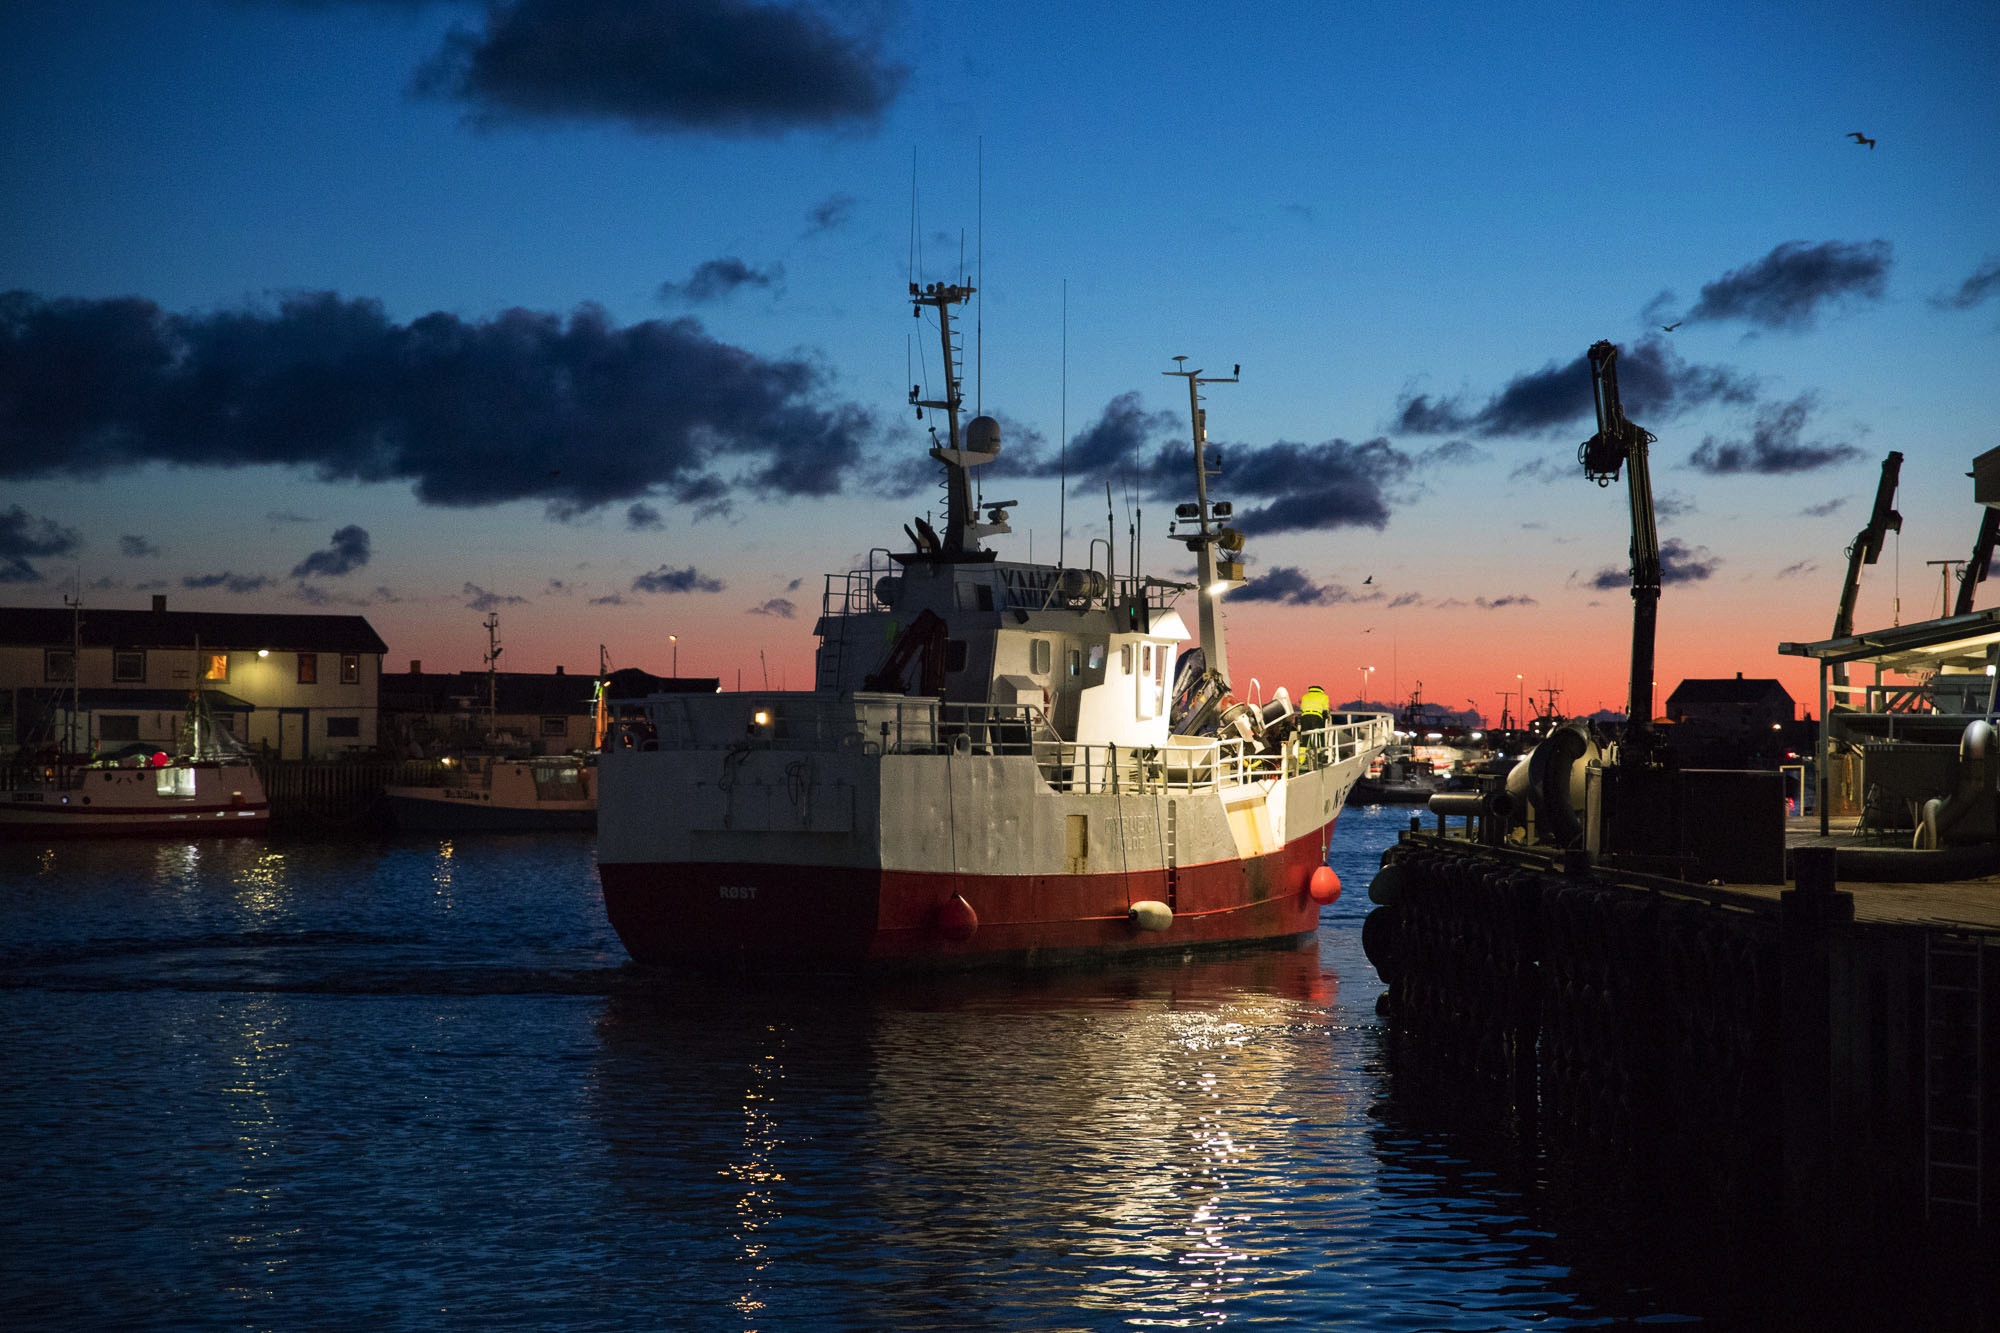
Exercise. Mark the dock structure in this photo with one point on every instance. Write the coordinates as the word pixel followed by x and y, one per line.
pixel 1815 1057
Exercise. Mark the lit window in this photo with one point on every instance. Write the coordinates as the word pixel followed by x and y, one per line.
pixel 350 668
pixel 308 668
pixel 216 666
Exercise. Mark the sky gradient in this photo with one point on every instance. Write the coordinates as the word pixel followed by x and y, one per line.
pixel 593 314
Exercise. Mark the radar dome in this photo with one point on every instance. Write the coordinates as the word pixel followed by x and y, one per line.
pixel 982 435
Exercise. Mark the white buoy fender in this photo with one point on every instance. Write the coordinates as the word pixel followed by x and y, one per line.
pixel 1151 914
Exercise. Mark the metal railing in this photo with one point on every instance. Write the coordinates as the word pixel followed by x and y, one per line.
pixel 879 724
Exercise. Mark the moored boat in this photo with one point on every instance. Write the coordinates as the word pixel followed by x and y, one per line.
pixel 1000 762
pixel 499 793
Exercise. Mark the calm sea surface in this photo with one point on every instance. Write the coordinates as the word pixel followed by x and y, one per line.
pixel 416 1084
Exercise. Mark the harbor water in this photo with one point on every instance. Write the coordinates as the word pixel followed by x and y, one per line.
pixel 416 1084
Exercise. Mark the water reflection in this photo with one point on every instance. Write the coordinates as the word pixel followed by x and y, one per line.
pixel 1121 1143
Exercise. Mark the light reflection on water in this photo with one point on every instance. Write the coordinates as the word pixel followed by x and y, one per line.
pixel 416 1083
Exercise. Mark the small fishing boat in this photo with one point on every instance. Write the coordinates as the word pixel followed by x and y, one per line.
pixel 206 786
pixel 500 793
pixel 1000 763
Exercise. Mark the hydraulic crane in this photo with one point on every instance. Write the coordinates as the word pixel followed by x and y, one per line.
pixel 1974 572
pixel 1622 443
pixel 1865 550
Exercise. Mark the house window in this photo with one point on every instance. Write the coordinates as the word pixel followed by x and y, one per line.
pixel 555 726
pixel 117 727
pixel 343 728
pixel 350 668
pixel 308 668
pixel 128 664
pixel 58 664
pixel 215 666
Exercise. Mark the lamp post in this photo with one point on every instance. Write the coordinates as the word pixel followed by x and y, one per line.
pixel 1365 673
pixel 675 640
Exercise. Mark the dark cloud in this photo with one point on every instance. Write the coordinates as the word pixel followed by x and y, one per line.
pixel 1281 487
pixel 24 536
pixel 782 607
pixel 478 599
pixel 1787 288
pixel 609 599
pixel 717 278
pixel 731 67
pixel 348 552
pixel 830 214
pixel 1798 568
pixel 577 413
pixel 676 580
pixel 1403 599
pixel 236 583
pixel 1774 447
pixel 642 517
pixel 1824 508
pixel 1654 382
pixel 1293 587
pixel 134 547
pixel 1982 286
pixel 1679 563
pixel 1672 504
pixel 1501 603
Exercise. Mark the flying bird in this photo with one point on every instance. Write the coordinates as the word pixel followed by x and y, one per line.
pixel 1859 137
pixel 1669 328
pixel 1369 579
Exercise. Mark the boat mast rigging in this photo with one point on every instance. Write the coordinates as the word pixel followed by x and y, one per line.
pixel 1212 576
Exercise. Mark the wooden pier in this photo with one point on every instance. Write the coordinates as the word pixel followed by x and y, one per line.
pixel 336 796
pixel 1817 1057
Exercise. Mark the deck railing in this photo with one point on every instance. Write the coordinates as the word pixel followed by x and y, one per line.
pixel 878 724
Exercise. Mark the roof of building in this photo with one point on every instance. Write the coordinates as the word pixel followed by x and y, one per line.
pixel 44 627
pixel 1725 690
pixel 522 692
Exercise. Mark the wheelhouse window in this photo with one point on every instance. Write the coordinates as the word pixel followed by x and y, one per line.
pixel 308 668
pixel 1039 656
pixel 215 666
pixel 350 668
pixel 59 664
pixel 128 664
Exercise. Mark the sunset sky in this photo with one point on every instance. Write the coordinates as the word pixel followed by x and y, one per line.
pixel 594 314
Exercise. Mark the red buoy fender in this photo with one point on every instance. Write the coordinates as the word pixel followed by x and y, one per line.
pixel 956 920
pixel 1324 886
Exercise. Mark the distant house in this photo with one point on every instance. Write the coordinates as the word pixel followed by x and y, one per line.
pixel 1732 705
pixel 1732 722
pixel 299 686
pixel 429 713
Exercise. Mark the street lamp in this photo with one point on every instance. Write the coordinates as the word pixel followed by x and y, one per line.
pixel 1365 673
pixel 675 640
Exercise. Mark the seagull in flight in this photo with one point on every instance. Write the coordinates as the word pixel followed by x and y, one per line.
pixel 1859 137
pixel 1669 328
pixel 1368 580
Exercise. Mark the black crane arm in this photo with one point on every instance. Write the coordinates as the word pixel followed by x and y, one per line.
pixel 1620 443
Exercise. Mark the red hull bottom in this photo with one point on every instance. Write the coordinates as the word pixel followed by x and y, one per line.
pixel 735 914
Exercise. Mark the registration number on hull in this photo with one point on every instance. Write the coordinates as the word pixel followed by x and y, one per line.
pixel 739 891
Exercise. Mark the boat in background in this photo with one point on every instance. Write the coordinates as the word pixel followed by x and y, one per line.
pixel 207 786
pixel 498 787
pixel 1402 779
pixel 994 765
pixel 500 793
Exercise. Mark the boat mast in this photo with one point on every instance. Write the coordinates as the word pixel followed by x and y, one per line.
pixel 1211 578
pixel 956 458
pixel 75 670
pixel 492 623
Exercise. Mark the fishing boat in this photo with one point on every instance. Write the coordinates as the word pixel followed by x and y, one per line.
pixel 207 785
pixel 999 763
pixel 495 787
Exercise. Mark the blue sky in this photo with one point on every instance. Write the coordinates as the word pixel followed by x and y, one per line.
pixel 593 314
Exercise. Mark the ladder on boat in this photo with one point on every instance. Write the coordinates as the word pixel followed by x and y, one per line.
pixel 1954 1077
